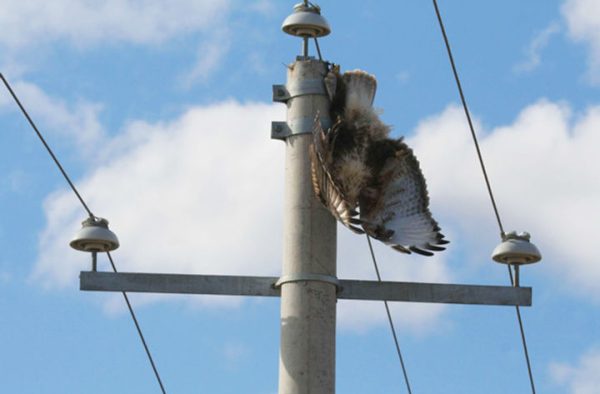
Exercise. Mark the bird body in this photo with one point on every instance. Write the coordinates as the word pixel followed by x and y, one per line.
pixel 370 182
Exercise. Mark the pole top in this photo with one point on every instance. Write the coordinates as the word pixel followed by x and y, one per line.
pixel 306 21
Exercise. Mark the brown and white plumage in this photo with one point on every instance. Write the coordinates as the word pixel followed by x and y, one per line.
pixel 370 182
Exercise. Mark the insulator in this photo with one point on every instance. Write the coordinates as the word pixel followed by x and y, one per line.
pixel 516 249
pixel 95 236
pixel 306 21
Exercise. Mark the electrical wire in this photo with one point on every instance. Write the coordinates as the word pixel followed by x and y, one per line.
pixel 467 113
pixel 487 181
pixel 60 167
pixel 389 316
pixel 138 328
pixel 523 340
pixel 85 206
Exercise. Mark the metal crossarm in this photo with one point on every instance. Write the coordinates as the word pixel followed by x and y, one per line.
pixel 265 286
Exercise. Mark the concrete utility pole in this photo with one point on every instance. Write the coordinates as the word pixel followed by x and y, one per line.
pixel 309 282
pixel 308 286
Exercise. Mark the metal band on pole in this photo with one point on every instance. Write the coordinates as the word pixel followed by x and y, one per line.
pixel 300 277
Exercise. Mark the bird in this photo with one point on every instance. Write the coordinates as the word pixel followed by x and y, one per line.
pixel 370 182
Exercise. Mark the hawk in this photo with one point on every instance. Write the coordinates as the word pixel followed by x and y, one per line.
pixel 369 182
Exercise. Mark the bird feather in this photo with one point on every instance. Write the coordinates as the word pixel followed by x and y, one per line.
pixel 365 178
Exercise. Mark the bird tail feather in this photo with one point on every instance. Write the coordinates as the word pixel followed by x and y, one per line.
pixel 360 89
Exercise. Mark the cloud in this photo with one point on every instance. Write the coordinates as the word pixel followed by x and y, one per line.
pixel 544 170
pixel 203 194
pixel 209 57
pixel 533 52
pixel 583 22
pixel 77 123
pixel 30 26
pixel 85 23
pixel 582 378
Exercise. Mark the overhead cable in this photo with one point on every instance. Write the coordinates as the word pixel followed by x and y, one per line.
pixel 523 340
pixel 487 181
pixel 139 329
pixel 391 322
pixel 467 113
pixel 85 206
pixel 60 167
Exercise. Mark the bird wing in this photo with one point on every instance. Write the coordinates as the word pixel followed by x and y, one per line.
pixel 394 208
pixel 324 185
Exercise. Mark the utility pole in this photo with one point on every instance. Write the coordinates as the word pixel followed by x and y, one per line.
pixel 308 287
pixel 309 283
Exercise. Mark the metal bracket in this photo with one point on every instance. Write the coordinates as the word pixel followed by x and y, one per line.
pixel 280 94
pixel 282 130
pixel 302 277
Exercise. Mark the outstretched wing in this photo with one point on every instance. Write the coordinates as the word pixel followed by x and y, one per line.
pixel 325 187
pixel 394 209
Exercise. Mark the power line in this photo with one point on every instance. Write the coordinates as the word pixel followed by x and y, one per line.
pixel 487 181
pixel 85 206
pixel 138 328
pixel 523 340
pixel 389 316
pixel 467 113
pixel 60 167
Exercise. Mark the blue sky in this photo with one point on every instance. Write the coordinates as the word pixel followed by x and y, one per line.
pixel 161 113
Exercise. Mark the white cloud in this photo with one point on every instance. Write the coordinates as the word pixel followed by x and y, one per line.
pixel 544 170
pixel 209 57
pixel 29 26
pixel 84 22
pixel 77 123
pixel 533 53
pixel 582 378
pixel 583 22
pixel 200 194
pixel 203 194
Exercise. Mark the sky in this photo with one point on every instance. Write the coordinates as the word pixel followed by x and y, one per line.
pixel 160 111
